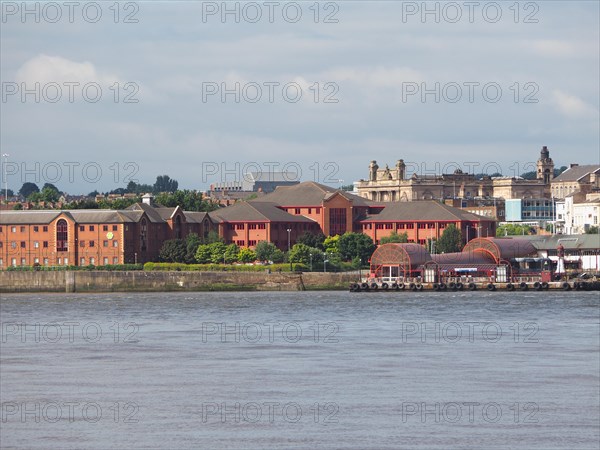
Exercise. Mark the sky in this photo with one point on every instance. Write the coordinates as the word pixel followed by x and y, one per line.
pixel 95 94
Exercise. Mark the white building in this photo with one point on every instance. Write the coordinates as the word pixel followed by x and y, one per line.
pixel 578 212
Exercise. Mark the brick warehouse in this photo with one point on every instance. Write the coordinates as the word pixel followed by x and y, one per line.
pixel 136 234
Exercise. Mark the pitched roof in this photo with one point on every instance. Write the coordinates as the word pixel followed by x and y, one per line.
pixel 255 211
pixel 28 217
pixel 165 212
pixel 309 193
pixel 576 172
pixel 569 242
pixel 195 216
pixel 426 210
pixel 153 215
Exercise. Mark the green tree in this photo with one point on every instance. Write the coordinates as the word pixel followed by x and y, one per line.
pixel 18 207
pixel 173 250
pixel 27 189
pixel 450 241
pixel 8 192
pixel 217 252
pixel 331 244
pixel 164 183
pixel 265 251
pixel 278 256
pixel 300 253
pixel 312 239
pixel 231 254
pixel 192 241
pixel 394 238
pixel 247 255
pixel 212 237
pixel 352 245
pixel 592 230
pixel 187 200
pixel 203 254
pixel 513 229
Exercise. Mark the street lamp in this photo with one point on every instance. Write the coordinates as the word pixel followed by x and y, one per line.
pixel 325 261
pixel 289 230
pixel 311 262
pixel 5 156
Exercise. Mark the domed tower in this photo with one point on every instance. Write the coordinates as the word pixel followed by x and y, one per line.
pixel 373 167
pixel 400 169
pixel 545 166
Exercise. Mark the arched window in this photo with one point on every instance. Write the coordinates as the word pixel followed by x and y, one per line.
pixel 178 227
pixel 62 236
pixel 143 234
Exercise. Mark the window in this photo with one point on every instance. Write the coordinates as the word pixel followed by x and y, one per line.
pixel 81 227
pixel 127 228
pixel 388 226
pixel 297 210
pixel 66 261
pixel 45 228
pixel 36 244
pixel 105 261
pixel 61 236
pixel 13 229
pixel 93 261
pixel 115 228
pixel 1 244
pixel 262 226
pixel 379 226
pixel 430 225
pixel 59 261
pixel 23 262
pixel 317 210
pixel 92 243
pixel 251 243
pixel 420 226
pixel 116 260
pixel 105 243
pixel 337 221
pixel 410 226
pixel 240 243
pixel 22 229
pixel 104 227
pixel 400 226
pixel 115 243
pixel 35 229
pixel 310 210
pixel 22 244
pixel 45 244
pixel 13 262
pixel 252 226
pixel 82 244
pixel 91 227
pixel 13 244
pixel 239 226
pixel 1 262
pixel 0 229
pixel 45 261
pixel 82 261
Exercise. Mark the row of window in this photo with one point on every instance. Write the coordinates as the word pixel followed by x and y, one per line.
pixel 402 226
pixel 22 229
pixel 60 261
pixel 299 210
pixel 36 244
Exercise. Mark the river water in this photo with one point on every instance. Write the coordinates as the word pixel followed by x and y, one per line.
pixel 301 370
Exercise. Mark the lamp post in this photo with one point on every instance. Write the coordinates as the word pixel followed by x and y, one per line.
pixel 5 156
pixel 289 230
pixel 360 269
pixel 325 265
pixel 311 262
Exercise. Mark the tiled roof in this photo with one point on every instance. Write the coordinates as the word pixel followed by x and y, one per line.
pixel 195 216
pixel 28 217
pixel 149 210
pixel 569 242
pixel 309 193
pixel 429 210
pixel 576 172
pixel 255 211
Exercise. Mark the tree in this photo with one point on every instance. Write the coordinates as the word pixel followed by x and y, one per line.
pixel 192 242
pixel 93 194
pixel 247 255
pixel 217 252
pixel 300 253
pixel 8 192
pixel 312 239
pixel 203 254
pixel 513 229
pixel 164 183
pixel 557 172
pixel 231 254
pixel 173 250
pixel 592 230
pixel 82 204
pixel 394 238
pixel 450 241
pixel 27 189
pixel 187 200
pixel 265 251
pixel 352 245
pixel 532 175
pixel 331 244
pixel 212 237
pixel 278 256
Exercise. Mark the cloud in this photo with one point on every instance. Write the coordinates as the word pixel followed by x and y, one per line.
pixel 572 106
pixel 48 69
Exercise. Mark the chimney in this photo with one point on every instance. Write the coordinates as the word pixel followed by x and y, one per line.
pixel 572 165
pixel 147 199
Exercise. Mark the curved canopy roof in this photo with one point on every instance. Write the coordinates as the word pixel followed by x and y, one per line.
pixel 406 255
pixel 501 248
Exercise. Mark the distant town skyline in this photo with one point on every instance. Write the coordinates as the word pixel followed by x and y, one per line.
pixel 199 93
